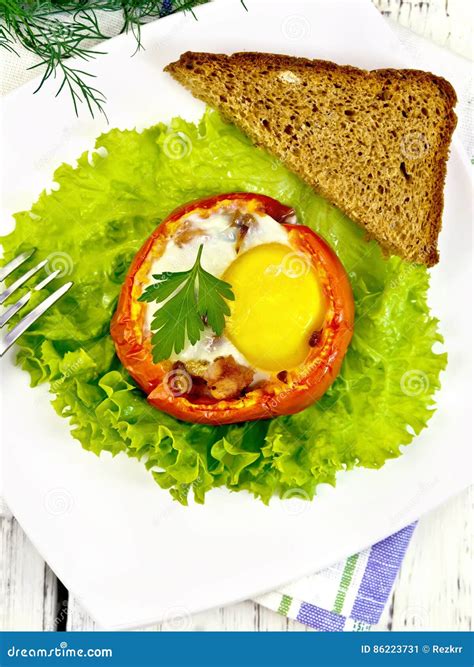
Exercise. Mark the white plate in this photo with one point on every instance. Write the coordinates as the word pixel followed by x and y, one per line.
pixel 130 554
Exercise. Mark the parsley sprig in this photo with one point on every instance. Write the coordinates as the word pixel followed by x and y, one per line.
pixel 190 300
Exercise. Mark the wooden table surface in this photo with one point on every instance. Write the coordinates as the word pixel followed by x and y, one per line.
pixel 433 589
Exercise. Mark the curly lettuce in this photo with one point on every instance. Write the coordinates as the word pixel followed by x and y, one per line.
pixel 96 220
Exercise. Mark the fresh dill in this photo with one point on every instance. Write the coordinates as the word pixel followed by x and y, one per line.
pixel 57 30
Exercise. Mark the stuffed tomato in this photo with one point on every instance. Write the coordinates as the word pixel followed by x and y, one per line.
pixel 232 312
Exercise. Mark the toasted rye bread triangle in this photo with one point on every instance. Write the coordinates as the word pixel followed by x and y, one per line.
pixel 374 143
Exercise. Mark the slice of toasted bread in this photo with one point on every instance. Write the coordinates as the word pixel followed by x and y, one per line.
pixel 374 143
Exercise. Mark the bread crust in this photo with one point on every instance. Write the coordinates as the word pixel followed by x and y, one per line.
pixel 195 71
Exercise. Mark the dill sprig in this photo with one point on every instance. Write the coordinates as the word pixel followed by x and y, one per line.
pixel 57 30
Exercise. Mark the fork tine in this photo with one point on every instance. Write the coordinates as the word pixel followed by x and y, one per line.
pixel 47 280
pixel 21 280
pixel 15 263
pixel 31 317
pixel 14 308
pixel 18 305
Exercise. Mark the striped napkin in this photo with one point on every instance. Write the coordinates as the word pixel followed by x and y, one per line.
pixel 350 595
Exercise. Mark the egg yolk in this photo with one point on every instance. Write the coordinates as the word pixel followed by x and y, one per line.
pixel 278 305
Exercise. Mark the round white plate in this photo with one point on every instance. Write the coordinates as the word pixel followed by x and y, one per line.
pixel 130 554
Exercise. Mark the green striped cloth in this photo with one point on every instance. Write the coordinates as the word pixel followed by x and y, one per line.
pixel 350 595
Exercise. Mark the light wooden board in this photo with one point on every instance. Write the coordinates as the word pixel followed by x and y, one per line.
pixel 434 587
pixel 433 590
pixel 28 588
pixel 446 22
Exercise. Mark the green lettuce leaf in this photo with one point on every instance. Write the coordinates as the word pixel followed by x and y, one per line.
pixel 94 223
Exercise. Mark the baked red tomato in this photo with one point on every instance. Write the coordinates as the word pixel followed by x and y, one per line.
pixel 288 328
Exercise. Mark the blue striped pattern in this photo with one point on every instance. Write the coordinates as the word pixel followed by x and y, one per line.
pixel 321 619
pixel 382 567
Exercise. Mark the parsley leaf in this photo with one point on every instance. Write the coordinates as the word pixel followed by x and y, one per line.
pixel 187 298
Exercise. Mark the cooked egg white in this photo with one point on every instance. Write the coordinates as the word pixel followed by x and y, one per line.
pixel 275 309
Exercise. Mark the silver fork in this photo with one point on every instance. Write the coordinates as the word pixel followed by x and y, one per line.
pixel 7 341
